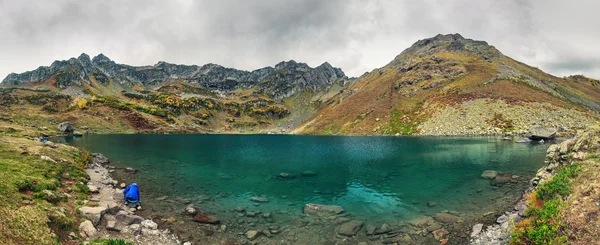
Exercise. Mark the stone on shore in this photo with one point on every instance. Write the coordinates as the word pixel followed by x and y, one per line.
pixel 149 224
pixel 350 228
pixel 66 127
pixel 322 210
pixel 489 174
pixel 100 159
pixel 206 219
pixel 77 134
pixel 94 214
pixel 476 230
pixel 542 133
pixel 191 210
pixel 93 189
pixel 87 229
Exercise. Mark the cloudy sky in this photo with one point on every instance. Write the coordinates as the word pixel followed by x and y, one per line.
pixel 559 37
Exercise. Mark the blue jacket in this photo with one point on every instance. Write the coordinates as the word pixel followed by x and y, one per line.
pixel 132 193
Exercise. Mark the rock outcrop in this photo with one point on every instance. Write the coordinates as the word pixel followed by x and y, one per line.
pixel 284 80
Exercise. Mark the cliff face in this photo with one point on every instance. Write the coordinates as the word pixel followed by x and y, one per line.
pixel 284 80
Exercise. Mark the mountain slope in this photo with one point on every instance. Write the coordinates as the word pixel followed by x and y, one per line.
pixel 169 97
pixel 449 85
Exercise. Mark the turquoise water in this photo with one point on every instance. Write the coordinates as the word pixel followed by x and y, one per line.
pixel 374 178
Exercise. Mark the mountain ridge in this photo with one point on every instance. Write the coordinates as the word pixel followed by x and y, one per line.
pixel 74 71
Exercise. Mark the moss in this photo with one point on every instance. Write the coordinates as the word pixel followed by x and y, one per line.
pixel 109 242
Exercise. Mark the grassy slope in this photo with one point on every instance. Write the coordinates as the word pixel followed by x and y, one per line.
pixel 28 215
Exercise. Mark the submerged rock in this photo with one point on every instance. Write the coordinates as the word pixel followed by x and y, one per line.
pixel 322 210
pixel 432 204
pixel 259 199
pixel 350 228
pixel 309 173
pixel 439 234
pixel 446 218
pixel 252 234
pixel 489 174
pixel 501 179
pixel 206 219
pixel 285 176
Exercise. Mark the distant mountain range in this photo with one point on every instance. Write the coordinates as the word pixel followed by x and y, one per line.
pixel 282 81
pixel 444 85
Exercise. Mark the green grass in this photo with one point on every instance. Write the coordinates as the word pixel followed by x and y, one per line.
pixel 109 242
pixel 402 123
pixel 545 223
pixel 34 208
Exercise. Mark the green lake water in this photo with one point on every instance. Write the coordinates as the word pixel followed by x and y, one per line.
pixel 374 178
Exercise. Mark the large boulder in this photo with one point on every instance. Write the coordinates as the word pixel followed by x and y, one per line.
pixel 94 214
pixel 66 127
pixel 538 133
pixel 100 159
pixel 322 210
pixel 87 229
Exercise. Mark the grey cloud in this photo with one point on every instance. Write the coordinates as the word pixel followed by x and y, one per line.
pixel 355 35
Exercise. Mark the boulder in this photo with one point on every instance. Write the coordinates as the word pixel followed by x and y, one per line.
pixel 502 219
pixel 66 127
pixel 252 234
pixel 87 229
pixel 446 218
pixel 206 219
pixel 93 189
pixel 476 230
pixel 538 133
pixel 130 170
pixel 191 210
pixel 149 224
pixel 94 214
pixel 322 210
pixel 100 159
pixel 46 158
pixel 501 179
pixel 432 204
pixel 489 174
pixel 350 228
pixel 439 234
pixel 77 134
pixel 383 229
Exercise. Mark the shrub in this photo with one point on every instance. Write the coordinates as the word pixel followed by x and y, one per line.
pixel 109 242
pixel 560 184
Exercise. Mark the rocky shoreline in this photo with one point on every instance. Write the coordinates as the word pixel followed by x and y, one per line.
pixel 107 217
pixel 557 155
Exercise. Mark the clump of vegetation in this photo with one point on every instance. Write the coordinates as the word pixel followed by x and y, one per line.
pixel 499 121
pixel 270 111
pixel 401 122
pixel 109 242
pixel 81 103
pixel 544 224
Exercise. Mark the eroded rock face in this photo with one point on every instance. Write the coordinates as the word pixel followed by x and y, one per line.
pixel 322 210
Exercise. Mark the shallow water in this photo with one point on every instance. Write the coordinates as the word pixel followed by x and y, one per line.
pixel 374 178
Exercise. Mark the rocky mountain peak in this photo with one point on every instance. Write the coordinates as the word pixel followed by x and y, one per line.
pixel 451 43
pixel 101 58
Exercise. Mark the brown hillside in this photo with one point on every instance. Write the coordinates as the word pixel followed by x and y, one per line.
pixel 446 81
